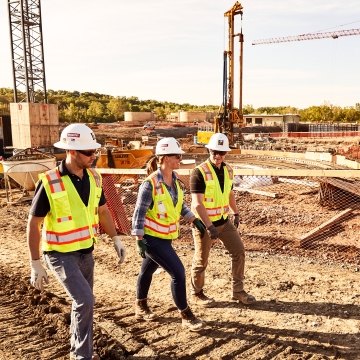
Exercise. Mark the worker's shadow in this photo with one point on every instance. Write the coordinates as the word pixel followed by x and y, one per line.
pixel 310 342
pixel 327 309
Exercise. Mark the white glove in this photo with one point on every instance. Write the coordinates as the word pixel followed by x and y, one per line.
pixel 38 275
pixel 119 248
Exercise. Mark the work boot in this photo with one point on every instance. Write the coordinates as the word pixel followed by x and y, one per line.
pixel 142 311
pixel 201 299
pixel 244 297
pixel 94 357
pixel 190 321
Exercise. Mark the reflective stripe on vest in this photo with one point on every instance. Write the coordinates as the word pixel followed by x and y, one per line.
pixel 160 228
pixel 162 220
pixel 55 182
pixel 57 185
pixel 96 176
pixel 69 237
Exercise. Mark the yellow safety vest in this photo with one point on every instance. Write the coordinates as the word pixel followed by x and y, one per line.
pixel 70 225
pixel 163 220
pixel 215 201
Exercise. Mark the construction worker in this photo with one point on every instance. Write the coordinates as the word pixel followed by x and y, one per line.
pixel 213 200
pixel 155 225
pixel 70 203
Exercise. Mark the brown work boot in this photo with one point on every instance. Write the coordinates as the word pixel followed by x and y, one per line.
pixel 201 299
pixel 190 321
pixel 244 297
pixel 142 311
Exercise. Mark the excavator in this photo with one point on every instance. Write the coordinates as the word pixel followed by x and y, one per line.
pixel 228 116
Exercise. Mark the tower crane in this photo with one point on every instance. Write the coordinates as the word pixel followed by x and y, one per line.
pixel 27 51
pixel 308 36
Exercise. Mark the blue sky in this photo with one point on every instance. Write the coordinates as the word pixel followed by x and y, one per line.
pixel 172 50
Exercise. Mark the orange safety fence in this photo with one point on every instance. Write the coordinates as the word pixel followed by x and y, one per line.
pixel 115 204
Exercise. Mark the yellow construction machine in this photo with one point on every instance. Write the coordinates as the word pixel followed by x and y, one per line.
pixel 117 155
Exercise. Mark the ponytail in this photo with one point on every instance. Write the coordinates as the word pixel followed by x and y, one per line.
pixel 151 165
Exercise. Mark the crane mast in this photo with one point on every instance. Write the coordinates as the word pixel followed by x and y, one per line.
pixel 308 36
pixel 27 51
pixel 230 115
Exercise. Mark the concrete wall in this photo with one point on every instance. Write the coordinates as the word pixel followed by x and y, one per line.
pixel 141 116
pixel 191 116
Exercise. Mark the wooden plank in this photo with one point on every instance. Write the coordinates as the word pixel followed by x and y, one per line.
pixel 344 185
pixel 256 172
pixel 257 192
pixel 325 225
pixel 299 173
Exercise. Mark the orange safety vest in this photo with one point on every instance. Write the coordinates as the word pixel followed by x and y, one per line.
pixel 163 219
pixel 70 225
pixel 216 201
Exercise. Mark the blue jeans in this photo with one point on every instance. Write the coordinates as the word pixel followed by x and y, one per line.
pixel 75 272
pixel 160 252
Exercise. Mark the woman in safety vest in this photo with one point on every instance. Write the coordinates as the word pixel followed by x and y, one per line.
pixel 213 200
pixel 155 224
pixel 70 204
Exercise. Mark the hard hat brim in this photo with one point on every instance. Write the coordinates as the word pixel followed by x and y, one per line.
pixel 179 152
pixel 210 148
pixel 64 146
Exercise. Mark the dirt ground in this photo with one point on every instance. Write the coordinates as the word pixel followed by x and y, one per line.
pixel 308 303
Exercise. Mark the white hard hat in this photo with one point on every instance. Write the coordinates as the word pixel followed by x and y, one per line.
pixel 218 142
pixel 77 137
pixel 167 146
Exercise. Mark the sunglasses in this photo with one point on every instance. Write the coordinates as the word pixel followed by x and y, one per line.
pixel 178 156
pixel 216 152
pixel 87 153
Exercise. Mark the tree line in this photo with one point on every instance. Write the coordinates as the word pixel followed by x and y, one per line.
pixel 94 107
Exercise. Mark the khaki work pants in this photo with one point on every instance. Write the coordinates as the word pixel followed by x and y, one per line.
pixel 230 237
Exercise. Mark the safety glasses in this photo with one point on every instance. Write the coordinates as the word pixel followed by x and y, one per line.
pixel 217 152
pixel 87 153
pixel 177 156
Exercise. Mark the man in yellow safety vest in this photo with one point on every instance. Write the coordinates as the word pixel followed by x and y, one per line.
pixel 213 200
pixel 69 205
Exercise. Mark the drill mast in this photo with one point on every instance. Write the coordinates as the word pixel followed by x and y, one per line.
pixel 229 115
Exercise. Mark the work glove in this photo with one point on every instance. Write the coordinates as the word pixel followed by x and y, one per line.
pixel 213 232
pixel 38 275
pixel 141 248
pixel 236 220
pixel 200 226
pixel 119 247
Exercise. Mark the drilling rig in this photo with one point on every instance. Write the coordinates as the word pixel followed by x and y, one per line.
pixel 228 115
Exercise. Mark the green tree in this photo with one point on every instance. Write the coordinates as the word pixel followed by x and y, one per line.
pixel 73 114
pixel 96 111
pixel 117 106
